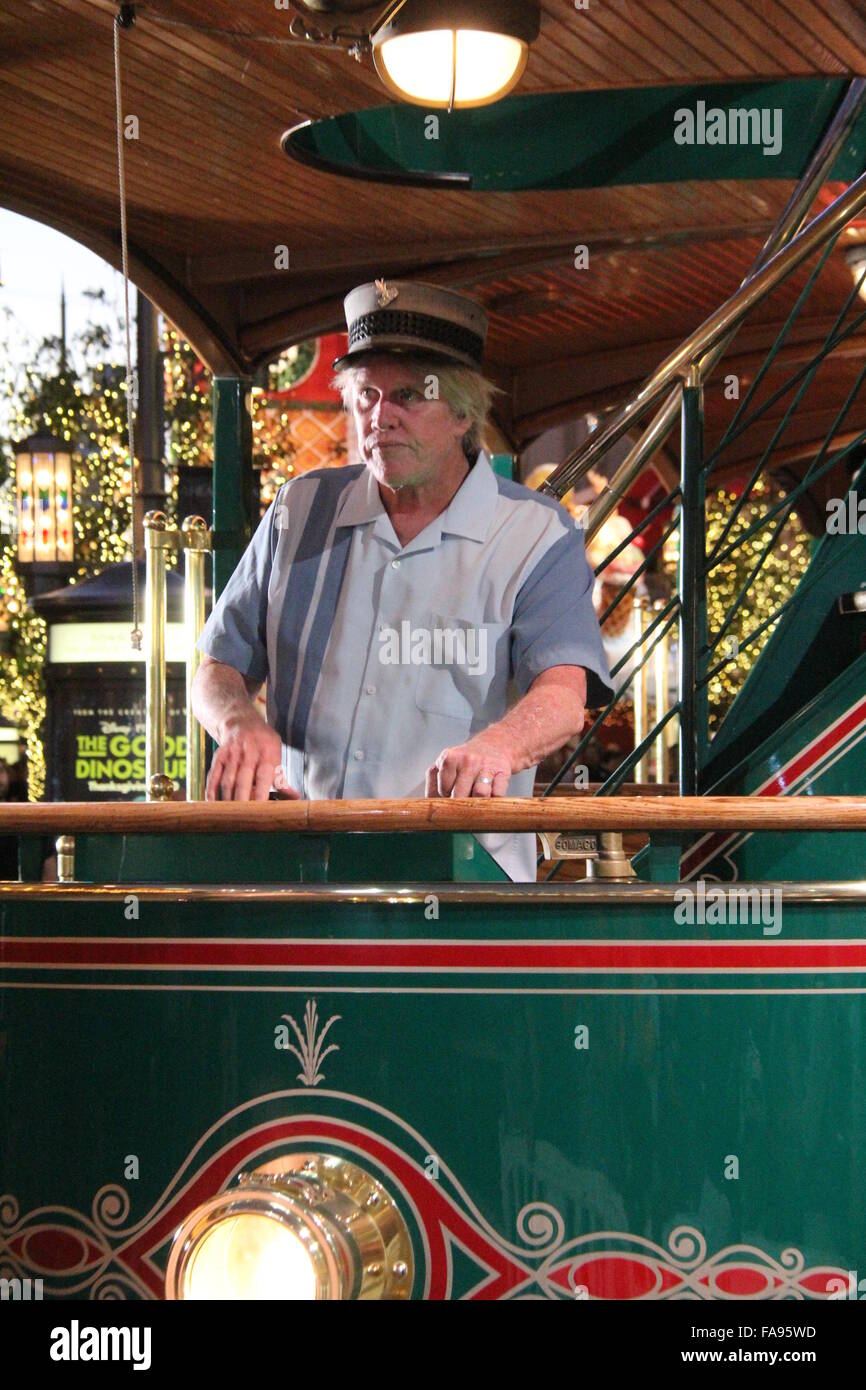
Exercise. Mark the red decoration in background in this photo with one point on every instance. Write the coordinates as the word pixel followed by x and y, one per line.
pixel 646 493
pixel 315 387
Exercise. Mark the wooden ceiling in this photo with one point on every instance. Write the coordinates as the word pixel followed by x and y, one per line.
pixel 210 193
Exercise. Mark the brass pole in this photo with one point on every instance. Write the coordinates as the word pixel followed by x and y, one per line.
pixel 612 862
pixel 639 687
pixel 196 542
pixel 660 664
pixel 157 541
pixel 65 847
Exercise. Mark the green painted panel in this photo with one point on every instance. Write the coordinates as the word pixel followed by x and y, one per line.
pixel 812 644
pixel 347 858
pixel 821 751
pixel 462 1088
pixel 578 139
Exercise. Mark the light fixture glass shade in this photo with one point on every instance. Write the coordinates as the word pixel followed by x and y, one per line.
pixel 43 471
pixel 455 55
pixel 420 67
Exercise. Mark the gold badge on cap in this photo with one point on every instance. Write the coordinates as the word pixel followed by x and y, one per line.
pixel 385 293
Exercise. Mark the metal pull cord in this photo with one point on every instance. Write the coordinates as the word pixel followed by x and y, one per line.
pixel 125 19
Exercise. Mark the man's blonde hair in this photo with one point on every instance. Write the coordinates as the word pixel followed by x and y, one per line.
pixel 465 391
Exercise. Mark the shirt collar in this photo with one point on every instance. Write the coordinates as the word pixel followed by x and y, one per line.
pixel 468 513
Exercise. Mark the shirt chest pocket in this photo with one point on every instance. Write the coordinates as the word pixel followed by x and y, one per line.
pixel 463 669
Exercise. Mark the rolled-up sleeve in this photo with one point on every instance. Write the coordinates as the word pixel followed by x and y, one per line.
pixel 554 622
pixel 236 631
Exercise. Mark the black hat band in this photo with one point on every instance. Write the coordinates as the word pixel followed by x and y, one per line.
pixel 404 323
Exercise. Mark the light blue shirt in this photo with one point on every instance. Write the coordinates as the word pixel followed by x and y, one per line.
pixel 378 656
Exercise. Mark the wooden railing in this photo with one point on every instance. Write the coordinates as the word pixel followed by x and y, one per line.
pixel 613 813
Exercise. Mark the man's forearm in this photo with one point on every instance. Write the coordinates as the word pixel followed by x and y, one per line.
pixel 550 713
pixel 221 698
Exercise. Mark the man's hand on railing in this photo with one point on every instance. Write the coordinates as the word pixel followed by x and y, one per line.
pixel 249 760
pixel 249 763
pixel 481 767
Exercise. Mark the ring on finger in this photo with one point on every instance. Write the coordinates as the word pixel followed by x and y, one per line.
pixel 484 781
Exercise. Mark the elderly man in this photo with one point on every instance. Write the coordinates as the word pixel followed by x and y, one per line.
pixel 425 627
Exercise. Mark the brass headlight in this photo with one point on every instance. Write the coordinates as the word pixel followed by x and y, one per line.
pixel 304 1226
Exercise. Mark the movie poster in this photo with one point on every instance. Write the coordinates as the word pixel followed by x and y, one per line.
pixel 97 743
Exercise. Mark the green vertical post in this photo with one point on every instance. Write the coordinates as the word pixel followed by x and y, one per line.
pixel 694 707
pixel 503 464
pixel 232 475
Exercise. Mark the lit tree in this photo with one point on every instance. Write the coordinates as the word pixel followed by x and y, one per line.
pixel 774 582
pixel 79 397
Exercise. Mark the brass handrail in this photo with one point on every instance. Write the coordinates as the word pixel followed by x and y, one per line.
pixel 514 894
pixel 712 335
pixel 160 540
pixel 685 814
pixel 195 542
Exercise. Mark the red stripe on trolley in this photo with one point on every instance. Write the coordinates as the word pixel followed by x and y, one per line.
pixel 779 785
pixel 646 956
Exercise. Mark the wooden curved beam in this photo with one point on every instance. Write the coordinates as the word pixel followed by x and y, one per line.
pixel 155 280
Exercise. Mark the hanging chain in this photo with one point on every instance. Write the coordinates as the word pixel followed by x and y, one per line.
pixel 124 20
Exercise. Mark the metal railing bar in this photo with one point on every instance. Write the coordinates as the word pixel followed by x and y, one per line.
pixel 397 894
pixel 779 340
pixel 707 336
pixel 792 496
pixel 641 526
pixel 807 478
pixel 790 222
pixel 617 777
pixel 834 428
pixel 600 718
pixel 672 602
pixel 752 637
pixel 633 578
pixel 779 430
pixel 829 347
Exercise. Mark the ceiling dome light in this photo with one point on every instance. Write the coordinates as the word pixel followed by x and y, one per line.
pixel 466 53
pixel 303 1227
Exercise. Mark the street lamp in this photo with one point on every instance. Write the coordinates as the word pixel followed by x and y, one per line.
pixel 43 468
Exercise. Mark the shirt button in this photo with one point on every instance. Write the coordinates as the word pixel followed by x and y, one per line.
pixel 370 689
pixel 395 564
pixel 359 755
